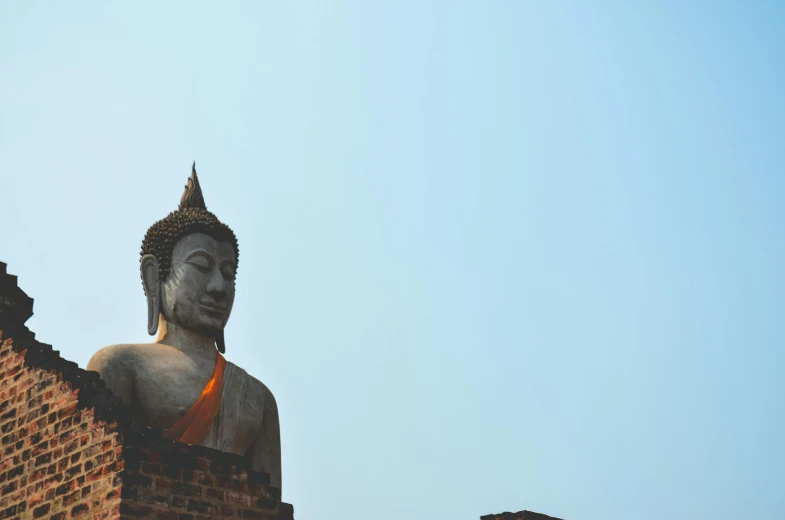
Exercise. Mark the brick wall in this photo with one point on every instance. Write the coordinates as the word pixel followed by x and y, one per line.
pixel 58 461
pixel 171 482
pixel 72 450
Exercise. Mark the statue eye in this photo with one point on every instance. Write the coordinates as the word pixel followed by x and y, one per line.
pixel 200 263
pixel 228 272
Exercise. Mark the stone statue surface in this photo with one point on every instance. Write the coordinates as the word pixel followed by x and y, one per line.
pixel 181 383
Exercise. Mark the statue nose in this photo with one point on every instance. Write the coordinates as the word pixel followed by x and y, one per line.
pixel 216 285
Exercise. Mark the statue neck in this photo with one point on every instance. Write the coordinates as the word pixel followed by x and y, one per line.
pixel 184 340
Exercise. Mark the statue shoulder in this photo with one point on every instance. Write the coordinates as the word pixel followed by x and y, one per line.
pixel 257 390
pixel 117 365
pixel 122 356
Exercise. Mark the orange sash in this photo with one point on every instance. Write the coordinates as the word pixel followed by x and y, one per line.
pixel 194 425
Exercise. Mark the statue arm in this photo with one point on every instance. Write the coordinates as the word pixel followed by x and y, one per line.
pixel 265 452
pixel 114 366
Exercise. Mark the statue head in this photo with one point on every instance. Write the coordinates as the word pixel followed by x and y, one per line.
pixel 188 264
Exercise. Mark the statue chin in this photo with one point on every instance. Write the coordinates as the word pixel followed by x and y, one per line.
pixel 202 328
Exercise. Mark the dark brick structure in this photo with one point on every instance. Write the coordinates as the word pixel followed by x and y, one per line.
pixel 69 449
pixel 520 515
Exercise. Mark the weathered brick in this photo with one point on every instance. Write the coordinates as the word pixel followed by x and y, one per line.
pixel 80 510
pixel 188 490
pixel 9 488
pixel 252 514
pixel 151 468
pixel 8 512
pixel 216 494
pixel 238 498
pixel 139 511
pixel 199 506
pixel 72 498
pixel 65 488
pixel 40 512
pixel 46 458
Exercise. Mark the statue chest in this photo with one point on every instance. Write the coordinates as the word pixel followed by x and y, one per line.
pixel 164 395
pixel 239 420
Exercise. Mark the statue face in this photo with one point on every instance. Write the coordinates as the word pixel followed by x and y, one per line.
pixel 199 292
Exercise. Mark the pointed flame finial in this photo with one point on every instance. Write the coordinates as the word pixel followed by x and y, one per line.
pixel 192 196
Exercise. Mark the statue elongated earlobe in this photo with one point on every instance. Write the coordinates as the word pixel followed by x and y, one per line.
pixel 152 289
pixel 219 342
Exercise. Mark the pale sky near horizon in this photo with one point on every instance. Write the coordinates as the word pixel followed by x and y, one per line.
pixel 493 255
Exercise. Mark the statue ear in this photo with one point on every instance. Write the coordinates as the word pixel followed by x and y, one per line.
pixel 152 289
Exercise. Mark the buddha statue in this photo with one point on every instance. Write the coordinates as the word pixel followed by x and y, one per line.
pixel 181 383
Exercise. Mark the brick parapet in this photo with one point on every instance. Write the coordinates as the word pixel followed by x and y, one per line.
pixel 57 460
pixel 170 484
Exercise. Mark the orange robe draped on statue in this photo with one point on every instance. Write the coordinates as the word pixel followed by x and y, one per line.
pixel 194 425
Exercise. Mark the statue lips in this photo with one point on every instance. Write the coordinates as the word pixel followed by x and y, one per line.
pixel 219 311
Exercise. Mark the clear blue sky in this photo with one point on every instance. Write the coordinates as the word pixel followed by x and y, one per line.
pixel 494 255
